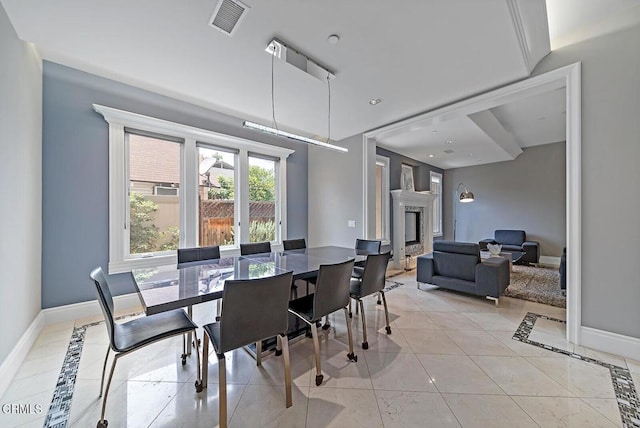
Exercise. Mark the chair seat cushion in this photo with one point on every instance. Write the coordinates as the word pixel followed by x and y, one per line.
pixel 143 331
pixel 303 307
pixel 213 331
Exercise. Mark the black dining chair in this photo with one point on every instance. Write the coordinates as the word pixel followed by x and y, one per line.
pixel 298 244
pixel 370 246
pixel 254 310
pixel 255 248
pixel 294 244
pixel 197 254
pixel 371 282
pixel 130 336
pixel 331 294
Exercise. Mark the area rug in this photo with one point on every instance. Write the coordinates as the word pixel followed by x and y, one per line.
pixel 536 284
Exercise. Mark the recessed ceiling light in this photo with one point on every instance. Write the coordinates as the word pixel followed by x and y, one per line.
pixel 448 141
pixel 470 155
pixel 375 101
pixel 333 39
pixel 431 155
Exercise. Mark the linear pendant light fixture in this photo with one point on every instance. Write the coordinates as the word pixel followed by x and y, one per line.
pixel 281 133
pixel 279 50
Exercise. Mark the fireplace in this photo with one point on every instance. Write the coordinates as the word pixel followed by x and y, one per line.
pixel 412 228
pixel 412 225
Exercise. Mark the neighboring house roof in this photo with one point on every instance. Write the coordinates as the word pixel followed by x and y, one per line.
pixel 153 160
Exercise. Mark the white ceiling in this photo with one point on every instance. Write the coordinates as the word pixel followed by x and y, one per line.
pixel 416 55
pixel 494 135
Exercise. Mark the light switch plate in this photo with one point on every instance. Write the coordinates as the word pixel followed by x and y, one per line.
pixel 351 223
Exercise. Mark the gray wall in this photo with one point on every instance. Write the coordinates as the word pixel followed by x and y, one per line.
pixel 527 194
pixel 421 175
pixel 335 189
pixel 610 176
pixel 75 174
pixel 20 185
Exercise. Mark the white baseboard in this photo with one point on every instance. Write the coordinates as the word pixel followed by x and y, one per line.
pixel 549 261
pixel 613 343
pixel 13 361
pixel 87 309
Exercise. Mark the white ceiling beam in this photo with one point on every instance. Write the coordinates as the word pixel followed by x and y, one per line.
pixel 531 29
pixel 489 124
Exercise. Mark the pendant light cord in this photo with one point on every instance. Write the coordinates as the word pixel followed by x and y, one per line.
pixel 273 102
pixel 329 109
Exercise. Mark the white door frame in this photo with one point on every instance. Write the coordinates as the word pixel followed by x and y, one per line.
pixel 568 77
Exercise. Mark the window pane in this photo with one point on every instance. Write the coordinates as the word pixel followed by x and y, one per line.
pixel 262 200
pixel 216 197
pixel 436 187
pixel 379 201
pixel 154 204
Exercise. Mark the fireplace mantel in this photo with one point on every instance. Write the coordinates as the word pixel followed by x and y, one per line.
pixel 401 200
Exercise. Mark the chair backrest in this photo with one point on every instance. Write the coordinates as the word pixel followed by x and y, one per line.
pixel 196 254
pixel 332 288
pixel 456 259
pixel 255 248
pixel 374 274
pixel 510 237
pixel 254 309
pixel 104 298
pixel 294 244
pixel 368 245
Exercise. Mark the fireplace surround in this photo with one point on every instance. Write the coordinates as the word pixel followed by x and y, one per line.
pixel 419 206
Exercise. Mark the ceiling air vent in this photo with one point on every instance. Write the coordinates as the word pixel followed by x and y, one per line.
pixel 448 151
pixel 227 15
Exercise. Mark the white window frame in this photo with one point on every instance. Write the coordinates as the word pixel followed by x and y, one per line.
pixel 386 199
pixel 437 228
pixel 118 120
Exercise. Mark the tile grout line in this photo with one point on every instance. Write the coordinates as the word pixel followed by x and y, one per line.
pixel 623 386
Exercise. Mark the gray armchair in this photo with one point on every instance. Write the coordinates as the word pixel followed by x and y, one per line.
pixel 457 266
pixel 515 240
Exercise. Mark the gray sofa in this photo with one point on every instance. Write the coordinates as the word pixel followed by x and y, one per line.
pixel 515 240
pixel 457 266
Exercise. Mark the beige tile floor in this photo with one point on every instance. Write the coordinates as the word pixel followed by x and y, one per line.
pixel 450 361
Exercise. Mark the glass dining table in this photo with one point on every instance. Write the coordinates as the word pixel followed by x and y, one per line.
pixel 168 287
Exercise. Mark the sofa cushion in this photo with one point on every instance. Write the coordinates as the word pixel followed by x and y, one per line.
pixel 511 248
pixel 455 284
pixel 510 237
pixel 456 259
pixel 457 247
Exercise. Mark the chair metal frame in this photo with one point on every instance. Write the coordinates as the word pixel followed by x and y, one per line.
pixel 282 343
pixel 312 323
pixel 360 302
pixel 103 423
pixel 194 255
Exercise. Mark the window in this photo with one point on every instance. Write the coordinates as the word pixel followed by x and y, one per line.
pixel 217 208
pixel 172 185
pixel 436 187
pixel 263 224
pixel 382 198
pixel 154 211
